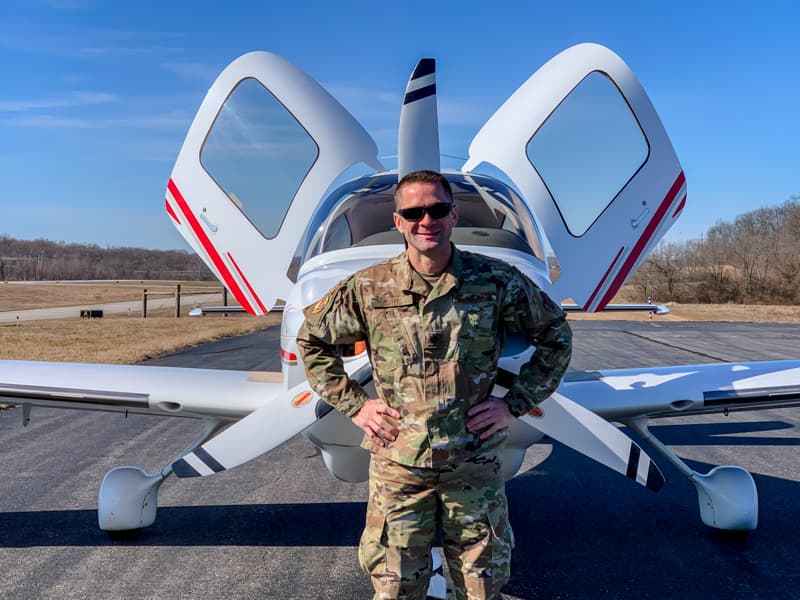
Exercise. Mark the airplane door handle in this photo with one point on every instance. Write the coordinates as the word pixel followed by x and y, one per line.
pixel 211 227
pixel 635 222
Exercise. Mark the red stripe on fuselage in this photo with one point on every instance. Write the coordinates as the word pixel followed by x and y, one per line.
pixel 641 244
pixel 171 212
pixel 603 280
pixel 223 270
pixel 247 283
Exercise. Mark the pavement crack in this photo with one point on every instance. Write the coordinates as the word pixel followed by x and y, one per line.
pixel 676 346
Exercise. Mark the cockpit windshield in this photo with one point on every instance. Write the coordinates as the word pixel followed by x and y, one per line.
pixel 359 213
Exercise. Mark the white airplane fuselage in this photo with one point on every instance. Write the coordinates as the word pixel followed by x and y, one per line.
pixel 478 197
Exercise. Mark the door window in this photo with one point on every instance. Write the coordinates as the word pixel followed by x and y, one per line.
pixel 258 153
pixel 587 150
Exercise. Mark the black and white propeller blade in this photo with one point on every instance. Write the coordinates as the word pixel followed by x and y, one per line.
pixel 283 415
pixel 279 419
pixel 582 430
pixel 591 435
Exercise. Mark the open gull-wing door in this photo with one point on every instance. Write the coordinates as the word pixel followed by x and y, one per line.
pixel 265 145
pixel 585 147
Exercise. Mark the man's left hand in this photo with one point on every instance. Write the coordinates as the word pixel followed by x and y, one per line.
pixel 489 417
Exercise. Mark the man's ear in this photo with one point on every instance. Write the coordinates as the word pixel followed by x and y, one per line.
pixel 398 222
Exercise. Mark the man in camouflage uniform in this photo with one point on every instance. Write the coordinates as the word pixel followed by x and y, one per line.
pixel 434 320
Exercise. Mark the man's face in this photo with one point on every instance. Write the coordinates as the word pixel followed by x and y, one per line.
pixel 429 234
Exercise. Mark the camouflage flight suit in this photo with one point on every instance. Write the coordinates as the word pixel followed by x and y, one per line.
pixel 434 352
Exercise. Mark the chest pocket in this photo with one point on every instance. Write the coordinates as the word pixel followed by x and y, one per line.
pixel 390 327
pixel 477 310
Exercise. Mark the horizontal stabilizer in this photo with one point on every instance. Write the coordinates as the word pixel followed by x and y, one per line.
pixel 658 309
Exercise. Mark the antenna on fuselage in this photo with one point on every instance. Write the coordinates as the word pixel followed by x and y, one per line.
pixel 418 138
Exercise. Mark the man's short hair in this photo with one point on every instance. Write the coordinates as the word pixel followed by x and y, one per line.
pixel 423 176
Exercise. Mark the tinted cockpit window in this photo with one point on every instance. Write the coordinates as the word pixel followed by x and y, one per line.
pixel 360 214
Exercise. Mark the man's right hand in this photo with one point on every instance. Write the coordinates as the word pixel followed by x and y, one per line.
pixel 372 418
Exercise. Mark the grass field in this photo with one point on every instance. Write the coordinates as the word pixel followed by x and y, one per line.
pixel 730 313
pixel 119 340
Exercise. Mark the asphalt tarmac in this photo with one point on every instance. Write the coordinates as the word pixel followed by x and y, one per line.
pixel 283 527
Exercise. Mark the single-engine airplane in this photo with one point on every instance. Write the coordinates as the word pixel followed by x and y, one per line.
pixel 573 180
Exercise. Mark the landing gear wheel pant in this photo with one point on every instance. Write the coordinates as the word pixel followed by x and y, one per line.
pixel 466 501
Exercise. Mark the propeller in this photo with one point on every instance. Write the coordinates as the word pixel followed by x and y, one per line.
pixel 593 436
pixel 282 416
pixel 579 428
pixel 290 411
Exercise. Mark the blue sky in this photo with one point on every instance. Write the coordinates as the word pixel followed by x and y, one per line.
pixel 97 96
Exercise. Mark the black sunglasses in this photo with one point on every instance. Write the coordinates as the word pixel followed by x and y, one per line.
pixel 417 213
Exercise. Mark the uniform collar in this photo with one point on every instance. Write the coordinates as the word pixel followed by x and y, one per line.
pixel 411 281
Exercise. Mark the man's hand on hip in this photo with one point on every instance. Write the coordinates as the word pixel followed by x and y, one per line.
pixel 489 417
pixel 374 418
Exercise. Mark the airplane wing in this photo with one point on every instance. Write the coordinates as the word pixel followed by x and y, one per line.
pixel 166 391
pixel 624 394
pixel 265 411
pixel 264 147
pixel 584 146
pixel 263 400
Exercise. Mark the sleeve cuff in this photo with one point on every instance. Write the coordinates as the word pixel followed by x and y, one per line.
pixel 518 405
pixel 353 404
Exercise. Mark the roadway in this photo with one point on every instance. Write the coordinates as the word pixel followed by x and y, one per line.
pixel 125 307
pixel 282 527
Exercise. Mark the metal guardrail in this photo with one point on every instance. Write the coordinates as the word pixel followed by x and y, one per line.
pixel 177 294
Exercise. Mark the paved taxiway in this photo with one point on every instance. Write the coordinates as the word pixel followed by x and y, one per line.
pixel 118 308
pixel 282 527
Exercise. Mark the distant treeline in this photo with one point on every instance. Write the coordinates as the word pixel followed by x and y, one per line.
pixel 36 260
pixel 753 260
